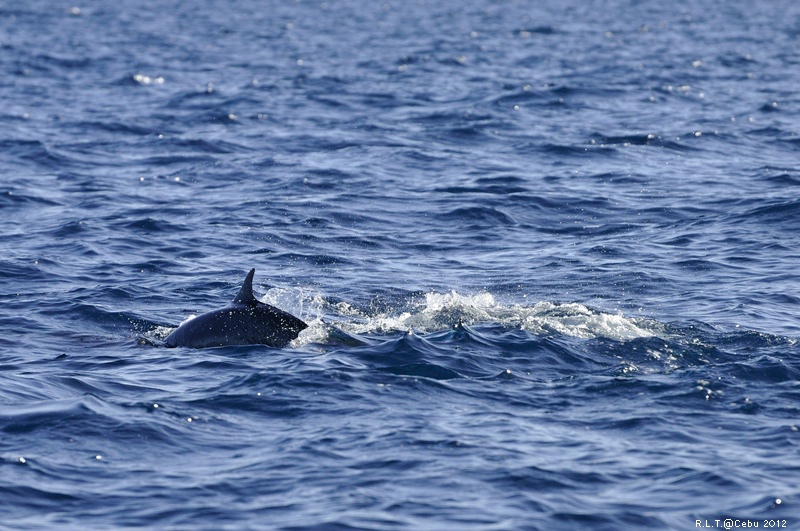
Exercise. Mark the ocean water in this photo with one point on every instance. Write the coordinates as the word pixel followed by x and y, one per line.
pixel 548 253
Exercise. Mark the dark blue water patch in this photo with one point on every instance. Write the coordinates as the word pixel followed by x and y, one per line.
pixel 268 400
pixel 153 226
pixel 698 265
pixel 535 30
pixel 477 217
pixel 399 351
pixel 84 185
pixel 781 176
pixel 424 370
pixel 736 60
pixel 113 126
pixel 26 149
pixel 50 417
pixel 521 96
pixel 770 107
pixel 780 212
pixel 567 225
pixel 567 151
pixel 204 148
pixel 18 198
pixel 501 185
pixel 494 185
pixel 70 229
pixel 59 65
pixel 39 499
pixel 793 140
pixel 201 107
pixel 775 133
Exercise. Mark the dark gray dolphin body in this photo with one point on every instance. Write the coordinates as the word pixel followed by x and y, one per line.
pixel 246 321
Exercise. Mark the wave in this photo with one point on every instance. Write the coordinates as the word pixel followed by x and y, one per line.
pixel 435 312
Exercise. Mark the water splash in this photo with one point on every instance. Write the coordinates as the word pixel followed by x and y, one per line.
pixel 434 312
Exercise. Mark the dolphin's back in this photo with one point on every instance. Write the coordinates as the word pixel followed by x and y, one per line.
pixel 246 321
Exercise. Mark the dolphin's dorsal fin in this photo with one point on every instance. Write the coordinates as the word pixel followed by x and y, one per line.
pixel 245 295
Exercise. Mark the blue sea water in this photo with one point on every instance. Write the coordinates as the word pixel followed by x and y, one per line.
pixel 548 252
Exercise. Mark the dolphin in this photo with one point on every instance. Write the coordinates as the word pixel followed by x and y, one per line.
pixel 245 321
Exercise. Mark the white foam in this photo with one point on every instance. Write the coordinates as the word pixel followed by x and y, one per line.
pixel 577 320
pixel 442 311
pixel 303 303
